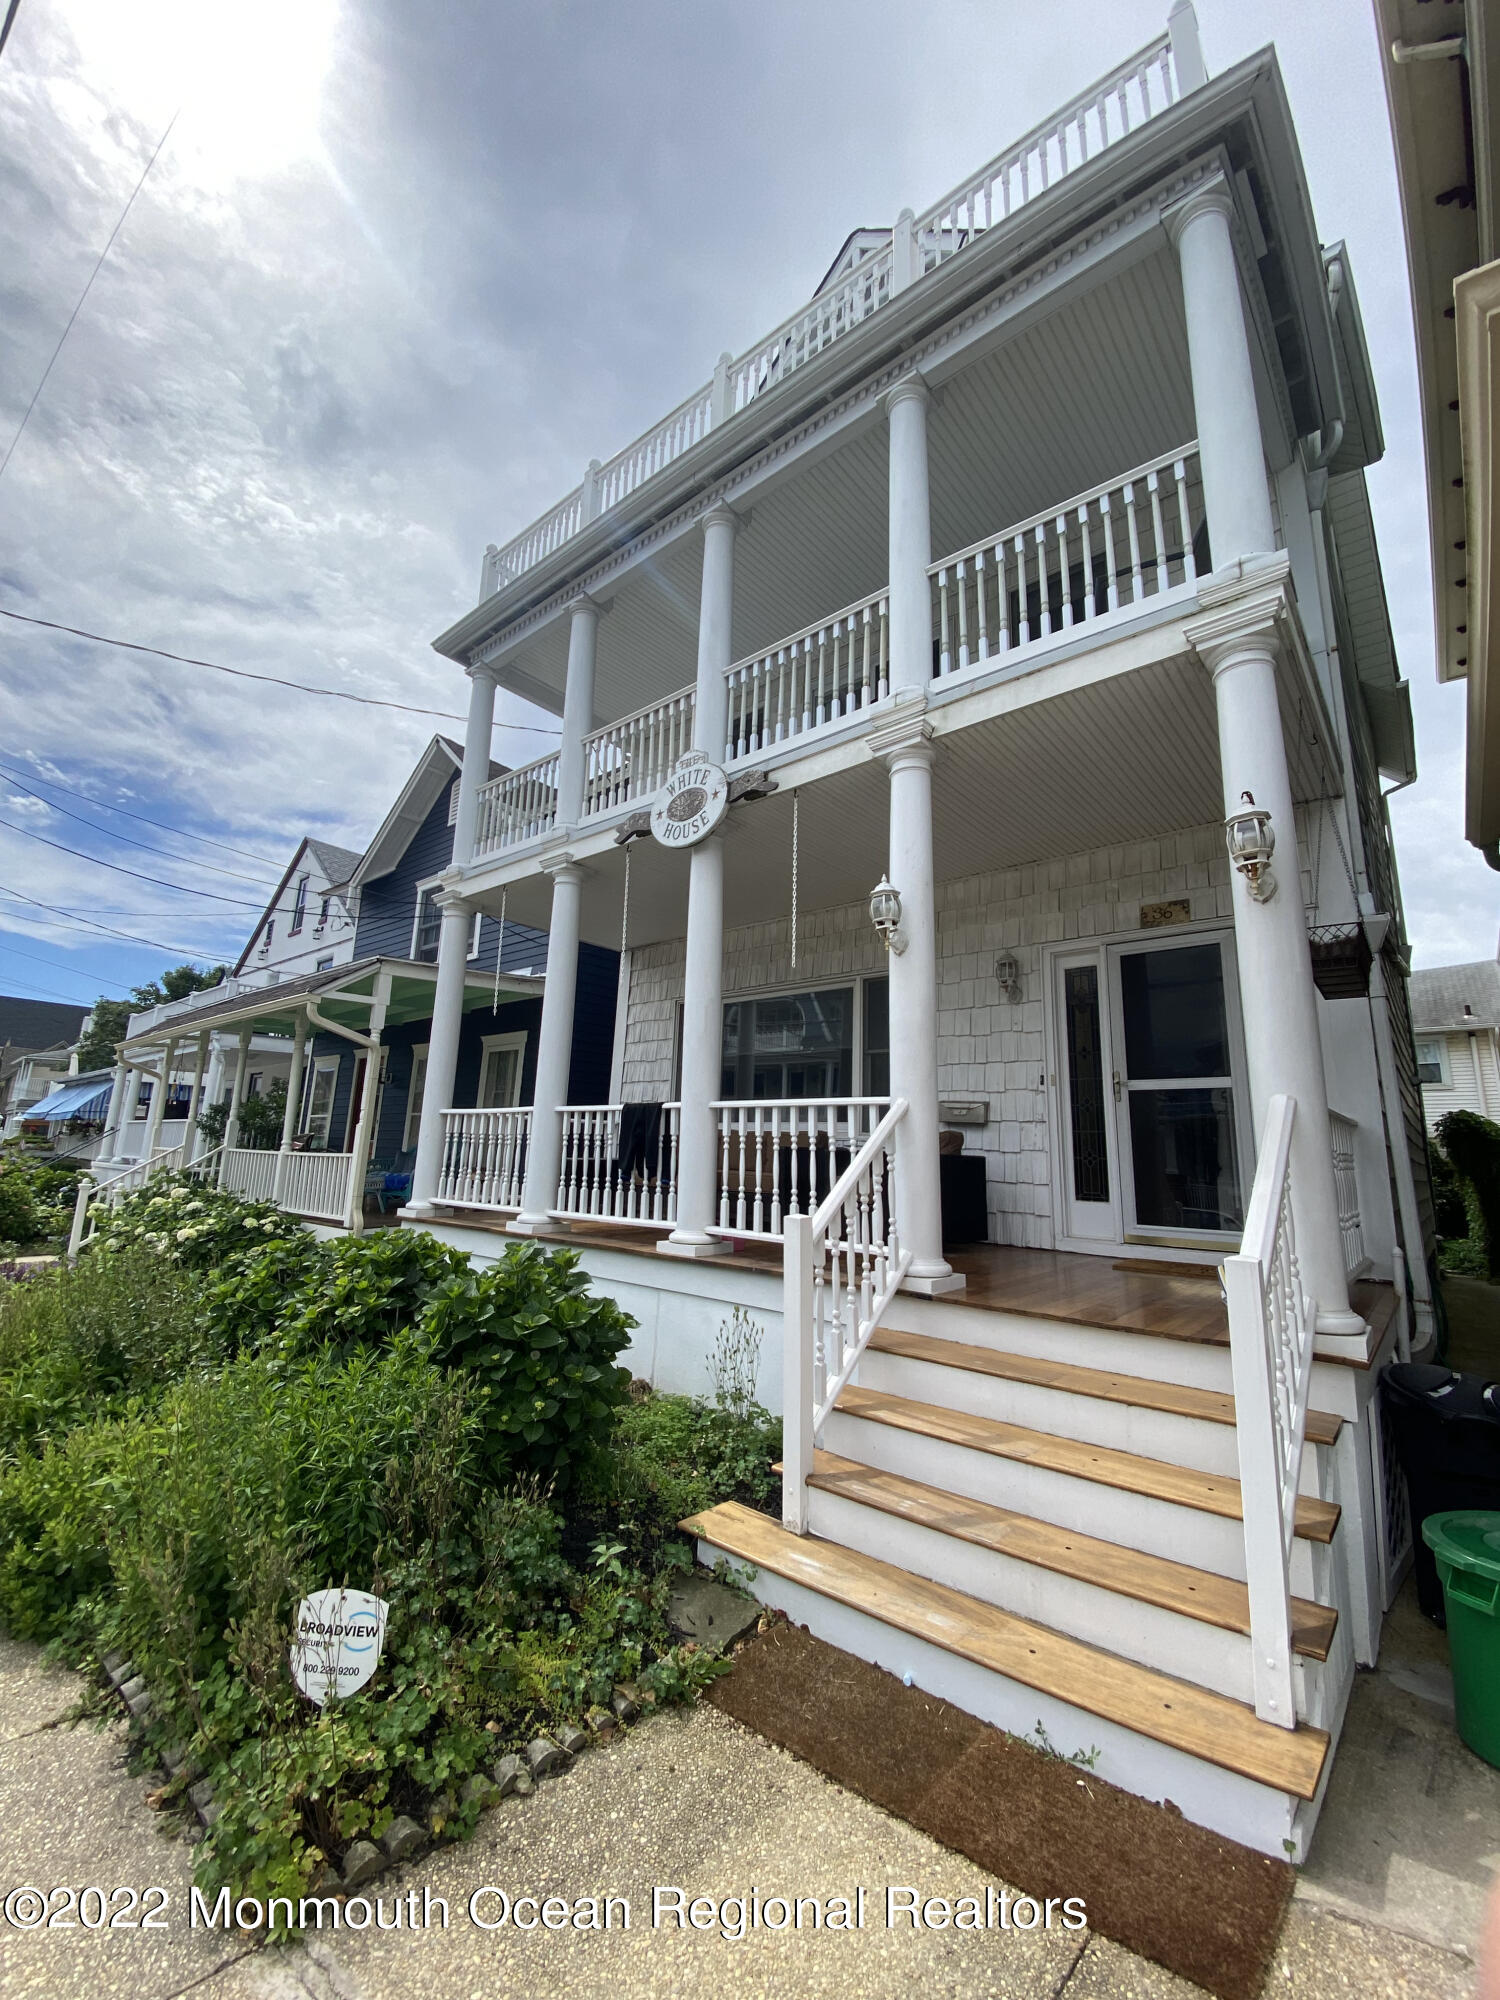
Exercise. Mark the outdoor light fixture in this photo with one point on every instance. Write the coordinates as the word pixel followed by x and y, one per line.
pixel 1251 843
pixel 1008 976
pixel 885 915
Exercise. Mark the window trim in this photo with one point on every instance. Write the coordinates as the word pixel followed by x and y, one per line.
pixel 516 1039
pixel 836 983
pixel 1444 1078
pixel 411 1123
pixel 299 907
pixel 319 1066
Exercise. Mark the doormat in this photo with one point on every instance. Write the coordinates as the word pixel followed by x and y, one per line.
pixel 1202 1906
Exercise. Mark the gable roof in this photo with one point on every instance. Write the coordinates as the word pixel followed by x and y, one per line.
pixel 436 769
pixel 31 1025
pixel 1440 995
pixel 336 864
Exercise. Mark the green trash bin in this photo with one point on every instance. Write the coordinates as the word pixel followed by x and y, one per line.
pixel 1467 1548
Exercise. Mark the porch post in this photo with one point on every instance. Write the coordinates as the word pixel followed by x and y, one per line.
pixel 905 744
pixel 236 1097
pixel 114 1118
pixel 476 765
pixel 293 1103
pixel 159 1096
pixel 364 1131
pixel 554 1052
pixel 1247 619
pixel 442 1047
pixel 703 969
pixel 195 1100
pixel 578 709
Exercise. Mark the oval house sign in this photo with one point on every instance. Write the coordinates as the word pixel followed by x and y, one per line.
pixel 691 803
pixel 339 1638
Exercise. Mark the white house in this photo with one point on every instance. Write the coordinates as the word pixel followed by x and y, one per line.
pixel 909 671
pixel 308 925
pixel 1455 1011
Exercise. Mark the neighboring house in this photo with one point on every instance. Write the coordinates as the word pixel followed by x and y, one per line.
pixel 1442 77
pixel 37 1039
pixel 1455 1017
pixel 307 926
pixel 974 704
pixel 69 1121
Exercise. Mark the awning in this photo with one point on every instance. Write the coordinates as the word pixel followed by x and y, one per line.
pixel 75 1100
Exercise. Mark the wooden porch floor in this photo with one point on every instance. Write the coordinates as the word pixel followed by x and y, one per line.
pixel 1118 1293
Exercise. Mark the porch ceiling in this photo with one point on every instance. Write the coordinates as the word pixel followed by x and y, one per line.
pixel 1097 385
pixel 1124 759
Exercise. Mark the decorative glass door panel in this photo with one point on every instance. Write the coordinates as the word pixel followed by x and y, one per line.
pixel 1089 1209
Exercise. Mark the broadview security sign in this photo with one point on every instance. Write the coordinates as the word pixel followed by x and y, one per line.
pixel 340 1635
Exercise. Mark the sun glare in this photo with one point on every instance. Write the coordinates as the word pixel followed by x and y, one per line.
pixel 249 74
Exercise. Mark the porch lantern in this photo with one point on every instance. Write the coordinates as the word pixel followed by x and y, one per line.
pixel 1251 841
pixel 1008 976
pixel 885 915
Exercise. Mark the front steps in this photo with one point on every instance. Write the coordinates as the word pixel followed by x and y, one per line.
pixel 1044 1536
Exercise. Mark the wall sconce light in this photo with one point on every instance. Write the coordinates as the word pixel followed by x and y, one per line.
pixel 1008 976
pixel 1251 841
pixel 885 915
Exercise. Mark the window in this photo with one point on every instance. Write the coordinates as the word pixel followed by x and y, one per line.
pixel 252 1083
pixel 794 1045
pixel 1430 1065
pixel 500 1070
pixel 429 926
pixel 414 1096
pixel 324 964
pixel 877 1062
pixel 323 908
pixel 265 943
pixel 321 1084
pixel 299 906
pixel 453 802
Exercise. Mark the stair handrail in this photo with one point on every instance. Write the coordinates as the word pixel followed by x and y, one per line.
pixel 93 1192
pixel 859 1269
pixel 1272 1323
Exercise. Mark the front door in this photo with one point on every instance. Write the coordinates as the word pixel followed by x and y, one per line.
pixel 1177 1090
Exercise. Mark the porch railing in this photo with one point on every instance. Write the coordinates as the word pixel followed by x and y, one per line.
pixel 1271 1329
pixel 779 1158
pixel 816 676
pixel 1346 1188
pixel 631 760
pixel 484 1157
pixel 1116 547
pixel 518 807
pixel 316 1186
pixel 248 1171
pixel 841 1268
pixel 601 1183
pixel 96 1193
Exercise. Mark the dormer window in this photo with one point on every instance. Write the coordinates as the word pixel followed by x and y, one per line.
pixel 265 943
pixel 299 907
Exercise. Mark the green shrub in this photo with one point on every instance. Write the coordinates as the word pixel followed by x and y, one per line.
pixel 18 1217
pixel 261 1119
pixel 193 1224
pixel 672 1456
pixel 1472 1144
pixel 1450 1212
pixel 364 1289
pixel 541 1348
pixel 262 1286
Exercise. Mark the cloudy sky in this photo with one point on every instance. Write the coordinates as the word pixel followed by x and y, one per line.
pixel 397 274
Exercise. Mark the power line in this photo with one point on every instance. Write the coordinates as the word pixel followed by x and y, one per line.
pixel 10 15
pixel 71 917
pixel 158 881
pixel 160 824
pixel 272 680
pixel 98 265
pixel 73 972
pixel 110 834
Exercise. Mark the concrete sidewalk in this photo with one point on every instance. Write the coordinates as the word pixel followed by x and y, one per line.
pixel 690 1800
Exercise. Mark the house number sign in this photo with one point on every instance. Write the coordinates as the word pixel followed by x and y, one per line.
pixel 691 803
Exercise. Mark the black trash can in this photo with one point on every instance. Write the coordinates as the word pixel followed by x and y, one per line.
pixel 1446 1430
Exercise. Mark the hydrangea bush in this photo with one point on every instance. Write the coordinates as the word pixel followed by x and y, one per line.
pixel 192 1224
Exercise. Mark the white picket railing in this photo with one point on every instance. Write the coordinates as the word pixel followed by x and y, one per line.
pixel 1142 86
pixel 316 1186
pixel 841 1267
pixel 1346 1187
pixel 1271 1329
pixel 518 807
pixel 484 1157
pixel 630 760
pixel 666 441
pixel 816 676
pixel 94 1194
pixel 779 1157
pixel 248 1171
pixel 594 1185
pixel 1119 546
pixel 534 544
pixel 861 291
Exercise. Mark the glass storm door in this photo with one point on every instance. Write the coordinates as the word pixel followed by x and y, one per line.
pixel 1175 1038
pixel 1090 1209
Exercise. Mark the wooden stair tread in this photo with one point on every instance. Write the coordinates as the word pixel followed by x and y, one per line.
pixel 1211 1492
pixel 1186 1718
pixel 1172 1586
pixel 1214 1406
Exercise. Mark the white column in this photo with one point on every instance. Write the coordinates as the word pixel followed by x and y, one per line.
pixel 703 970
pixel 578 709
pixel 114 1118
pixel 442 1048
pixel 237 1095
pixel 910 532
pixel 554 1053
pixel 195 1099
pixel 159 1097
pixel 293 1103
pixel 476 768
pixel 364 1131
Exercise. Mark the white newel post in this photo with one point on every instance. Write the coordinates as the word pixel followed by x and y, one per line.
pixel 554 1052
pixel 1187 50
pixel 195 1100
pixel 1247 617
pixel 442 1047
pixel 114 1118
pixel 476 766
pixel 293 1104
pixel 578 708
pixel 237 1096
pixel 904 743
pixel 159 1098
pixel 703 967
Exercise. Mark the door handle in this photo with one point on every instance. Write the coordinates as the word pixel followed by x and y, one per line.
pixel 1119 1086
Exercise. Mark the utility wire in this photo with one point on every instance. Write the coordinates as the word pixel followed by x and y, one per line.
pixel 191 860
pixel 98 265
pixel 273 680
pixel 71 917
pixel 161 825
pixel 157 881
pixel 10 15
pixel 72 971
